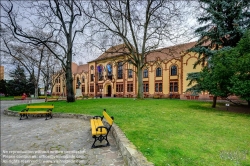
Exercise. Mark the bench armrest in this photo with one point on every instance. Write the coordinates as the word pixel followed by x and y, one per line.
pixel 100 127
pixel 97 117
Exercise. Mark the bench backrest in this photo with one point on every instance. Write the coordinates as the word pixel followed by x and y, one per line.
pixel 40 106
pixel 108 118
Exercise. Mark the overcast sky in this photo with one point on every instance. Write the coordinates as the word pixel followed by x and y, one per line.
pixel 84 55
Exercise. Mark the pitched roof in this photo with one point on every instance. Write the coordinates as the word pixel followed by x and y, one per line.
pixel 169 52
pixel 164 53
pixel 80 68
pixel 113 51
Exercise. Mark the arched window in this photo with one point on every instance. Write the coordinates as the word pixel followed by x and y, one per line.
pixel 145 73
pixel 158 72
pixel 173 71
pixel 109 71
pixel 100 72
pixel 83 79
pixel 119 70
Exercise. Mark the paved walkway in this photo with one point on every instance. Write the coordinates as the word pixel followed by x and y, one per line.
pixel 59 141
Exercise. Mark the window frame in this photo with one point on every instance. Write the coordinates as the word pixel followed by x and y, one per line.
pixel 130 87
pixel 91 77
pixel 158 72
pixel 119 70
pixel 119 87
pixel 145 73
pixel 130 73
pixel 158 87
pixel 91 88
pixel 145 87
pixel 173 70
pixel 83 88
pixel 100 74
pixel 173 86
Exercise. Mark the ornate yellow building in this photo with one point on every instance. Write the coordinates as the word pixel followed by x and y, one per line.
pixel 111 74
pixel 1 72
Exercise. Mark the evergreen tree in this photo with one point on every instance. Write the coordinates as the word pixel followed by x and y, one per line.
pixel 3 89
pixel 223 24
pixel 240 56
pixel 17 86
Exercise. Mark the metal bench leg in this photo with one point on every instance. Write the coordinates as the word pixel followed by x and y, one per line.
pixel 93 145
pixel 100 138
pixel 107 141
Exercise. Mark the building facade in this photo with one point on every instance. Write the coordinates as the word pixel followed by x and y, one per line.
pixel 111 74
pixel 1 72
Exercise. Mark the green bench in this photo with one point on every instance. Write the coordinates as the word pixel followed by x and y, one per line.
pixel 99 130
pixel 26 112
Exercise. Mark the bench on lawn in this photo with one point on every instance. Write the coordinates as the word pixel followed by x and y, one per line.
pixel 18 98
pixel 53 98
pixel 48 113
pixel 99 130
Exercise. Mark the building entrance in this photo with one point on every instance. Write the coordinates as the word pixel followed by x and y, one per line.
pixel 109 91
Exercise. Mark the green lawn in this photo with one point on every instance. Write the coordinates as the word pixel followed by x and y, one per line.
pixel 7 98
pixel 174 132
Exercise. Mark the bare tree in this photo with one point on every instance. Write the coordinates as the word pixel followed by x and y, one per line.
pixel 60 20
pixel 142 26
pixel 37 60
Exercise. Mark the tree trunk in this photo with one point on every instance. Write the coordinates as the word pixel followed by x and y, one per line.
pixel 140 83
pixel 36 92
pixel 69 83
pixel 214 101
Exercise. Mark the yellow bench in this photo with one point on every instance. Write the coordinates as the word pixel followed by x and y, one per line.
pixel 53 98
pixel 17 97
pixel 48 113
pixel 99 130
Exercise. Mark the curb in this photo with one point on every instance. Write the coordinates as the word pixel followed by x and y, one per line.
pixel 131 156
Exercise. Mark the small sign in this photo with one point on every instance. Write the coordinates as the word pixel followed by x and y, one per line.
pixel 227 104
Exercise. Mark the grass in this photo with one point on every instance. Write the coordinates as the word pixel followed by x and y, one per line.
pixel 7 98
pixel 174 132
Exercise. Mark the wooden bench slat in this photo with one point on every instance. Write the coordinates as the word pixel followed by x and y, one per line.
pixel 96 123
pixel 108 118
pixel 40 106
pixel 35 112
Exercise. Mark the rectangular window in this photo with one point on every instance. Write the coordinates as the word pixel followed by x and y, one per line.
pixel 145 87
pixel 100 76
pixel 57 80
pixel 119 87
pixel 91 88
pixel 92 77
pixel 99 88
pixel 129 87
pixel 158 87
pixel 58 88
pixel 145 73
pixel 130 73
pixel 83 88
pixel 119 70
pixel 173 87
